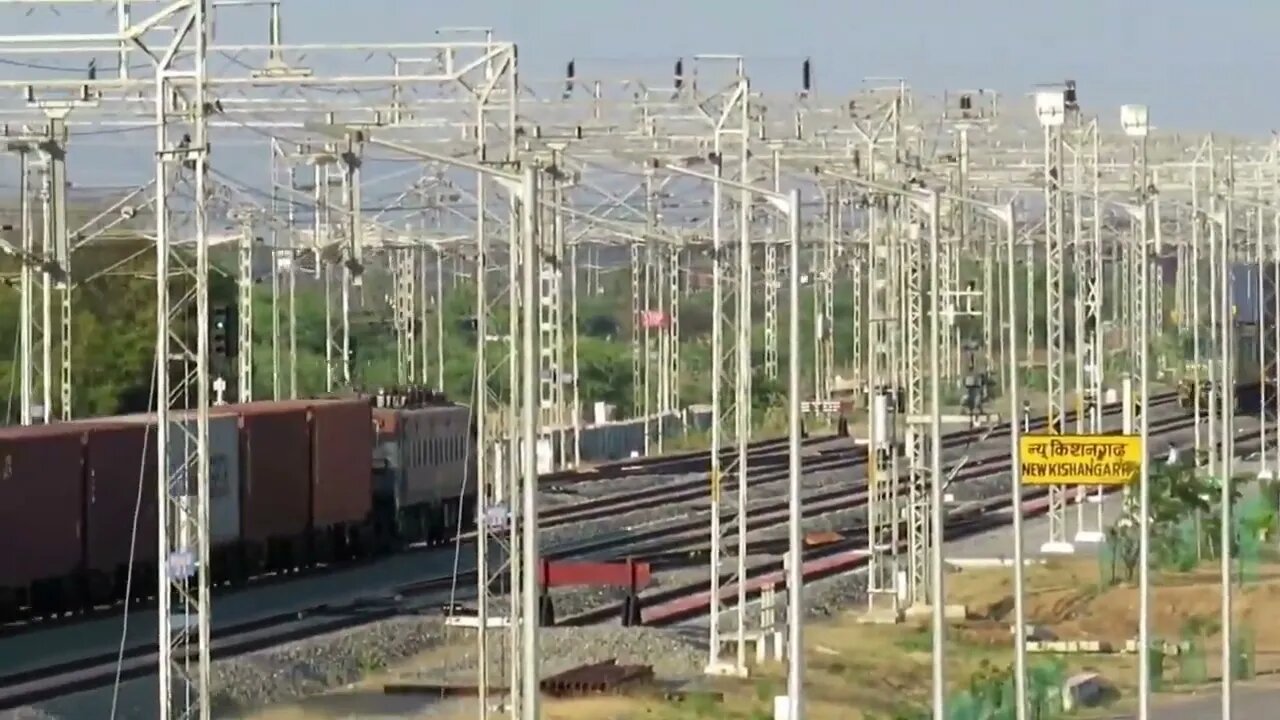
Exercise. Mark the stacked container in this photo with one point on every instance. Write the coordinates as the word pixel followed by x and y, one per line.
pixel 41 496
pixel 275 508
pixel 224 483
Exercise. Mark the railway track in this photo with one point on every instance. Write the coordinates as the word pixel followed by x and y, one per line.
pixel 762 453
pixel 767 454
pixel 693 535
pixel 669 464
pixel 56 679
pixel 841 458
pixel 973 519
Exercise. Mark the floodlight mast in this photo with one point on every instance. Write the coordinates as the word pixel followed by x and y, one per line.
pixel 1133 119
pixel 1051 109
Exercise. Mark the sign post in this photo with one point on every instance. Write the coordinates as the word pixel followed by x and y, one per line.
pixel 1109 460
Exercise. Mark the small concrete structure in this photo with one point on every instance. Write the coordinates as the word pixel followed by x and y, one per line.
pixel 1085 690
pixel 990 562
pixel 951 613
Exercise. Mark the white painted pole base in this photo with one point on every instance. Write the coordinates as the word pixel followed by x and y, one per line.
pixel 1057 548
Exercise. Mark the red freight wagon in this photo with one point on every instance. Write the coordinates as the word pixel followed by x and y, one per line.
pixel 41 525
pixel 275 498
pixel 342 474
pixel 118 457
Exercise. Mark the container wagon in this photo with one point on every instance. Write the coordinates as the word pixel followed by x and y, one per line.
pixel 306 481
pixel 422 467
pixel 1253 318
pixel 291 484
pixel 275 477
pixel 119 510
pixel 226 549
pixel 342 434
pixel 41 518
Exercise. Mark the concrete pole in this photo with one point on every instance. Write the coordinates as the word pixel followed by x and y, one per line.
pixel 529 676
pixel 795 571
pixel 1015 441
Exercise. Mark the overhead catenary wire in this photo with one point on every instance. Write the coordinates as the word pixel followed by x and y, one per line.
pixel 347 214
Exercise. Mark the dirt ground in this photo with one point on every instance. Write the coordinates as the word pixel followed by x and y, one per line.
pixel 874 671
pixel 861 671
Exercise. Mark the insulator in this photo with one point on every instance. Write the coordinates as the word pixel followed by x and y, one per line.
pixel 806 76
pixel 679 74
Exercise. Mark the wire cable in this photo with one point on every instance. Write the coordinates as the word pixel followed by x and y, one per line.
pixel 13 374
pixel 133 544
pixel 477 397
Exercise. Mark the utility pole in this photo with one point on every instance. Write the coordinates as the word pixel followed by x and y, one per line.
pixel 182 151
pixel 495 499
pixel 531 591
pixel 1134 120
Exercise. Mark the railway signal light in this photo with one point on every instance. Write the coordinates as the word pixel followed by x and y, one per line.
pixel 224 331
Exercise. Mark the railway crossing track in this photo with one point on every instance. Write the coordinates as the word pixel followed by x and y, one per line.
pixel 833 459
pixel 668 606
pixel 55 679
pixel 761 453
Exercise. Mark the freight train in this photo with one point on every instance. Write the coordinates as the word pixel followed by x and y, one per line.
pixel 1253 328
pixel 292 484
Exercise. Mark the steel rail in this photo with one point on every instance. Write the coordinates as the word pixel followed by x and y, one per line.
pixel 993 512
pixel 35 685
pixel 695 489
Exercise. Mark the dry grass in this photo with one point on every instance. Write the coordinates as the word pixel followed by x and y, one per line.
pixel 1064 596
pixel 859 672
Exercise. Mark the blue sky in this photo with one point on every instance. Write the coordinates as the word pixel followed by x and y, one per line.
pixel 1200 66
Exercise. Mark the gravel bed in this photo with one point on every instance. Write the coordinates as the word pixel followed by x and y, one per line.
pixel 312 666
pixel 290 671
pixel 557 499
pixel 563 648
pixel 317 664
pixel 603 488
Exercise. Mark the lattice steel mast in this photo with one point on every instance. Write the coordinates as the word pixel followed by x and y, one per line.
pixel 1090 364
pixel 731 282
pixel 1052 108
pixel 182 153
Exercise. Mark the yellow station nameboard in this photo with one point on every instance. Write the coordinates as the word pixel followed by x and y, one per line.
pixel 1079 459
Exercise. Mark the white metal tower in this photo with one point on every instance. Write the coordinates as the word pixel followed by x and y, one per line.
pixel 182 378
pixel 1051 109
pixel 731 352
